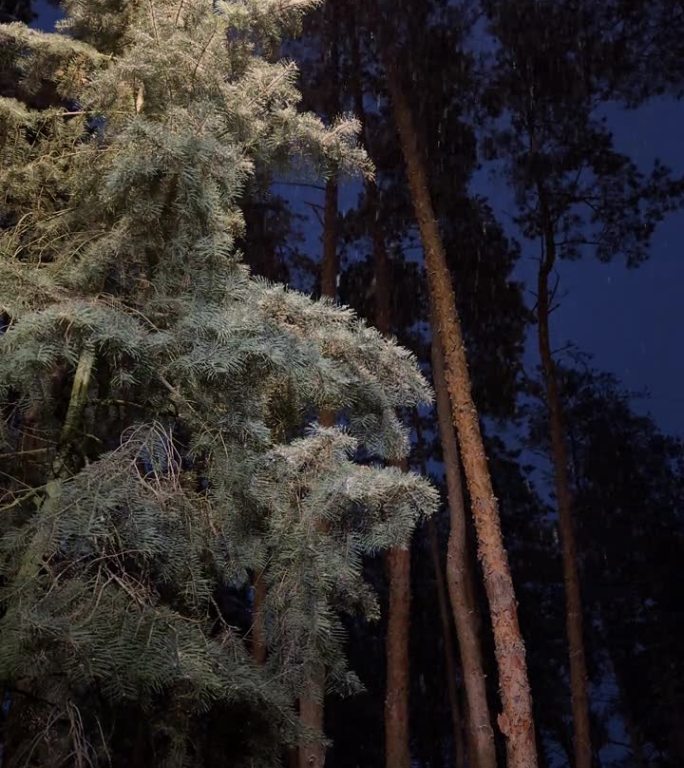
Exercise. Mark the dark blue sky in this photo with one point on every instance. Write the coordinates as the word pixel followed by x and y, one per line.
pixel 629 320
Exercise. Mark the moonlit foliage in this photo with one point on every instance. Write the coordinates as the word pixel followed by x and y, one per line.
pixel 159 403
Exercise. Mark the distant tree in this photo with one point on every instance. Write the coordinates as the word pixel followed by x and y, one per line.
pixel 16 10
pixel 629 481
pixel 168 395
pixel 641 49
pixel 575 194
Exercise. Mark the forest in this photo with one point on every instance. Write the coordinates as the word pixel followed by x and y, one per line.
pixel 340 401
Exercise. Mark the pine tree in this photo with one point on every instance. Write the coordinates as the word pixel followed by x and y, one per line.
pixel 629 530
pixel 574 193
pixel 430 38
pixel 168 398
pixel 516 721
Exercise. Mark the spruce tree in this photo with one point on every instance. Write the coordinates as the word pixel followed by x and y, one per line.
pixel 159 445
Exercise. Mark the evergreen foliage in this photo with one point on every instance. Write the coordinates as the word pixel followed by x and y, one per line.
pixel 159 445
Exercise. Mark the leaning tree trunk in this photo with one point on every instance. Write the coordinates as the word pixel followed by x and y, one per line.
pixel 516 721
pixel 449 654
pixel 480 726
pixel 559 458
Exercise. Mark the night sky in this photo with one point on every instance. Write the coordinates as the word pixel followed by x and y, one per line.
pixel 627 319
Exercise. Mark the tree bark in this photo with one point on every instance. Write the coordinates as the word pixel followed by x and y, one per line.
pixel 516 721
pixel 397 751
pixel 312 701
pixel 479 720
pixel 74 414
pixel 559 459
pixel 329 265
pixel 449 654
pixel 397 729
pixel 311 716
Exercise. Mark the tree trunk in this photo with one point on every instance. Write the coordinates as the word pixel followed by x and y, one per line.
pixel 397 752
pixel 311 716
pixel 258 639
pixel 559 458
pixel 449 655
pixel 397 730
pixel 312 701
pixel 479 721
pixel 329 265
pixel 516 721
pixel 72 421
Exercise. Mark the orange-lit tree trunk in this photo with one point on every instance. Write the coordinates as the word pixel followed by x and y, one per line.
pixel 397 751
pixel 559 458
pixel 516 720
pixel 481 734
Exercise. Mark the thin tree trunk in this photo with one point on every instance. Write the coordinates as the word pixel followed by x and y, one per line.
pixel 458 719
pixel 329 265
pixel 258 637
pixel 397 729
pixel 61 468
pixel 479 720
pixel 312 701
pixel 559 457
pixel 516 721
pixel 449 654
pixel 74 415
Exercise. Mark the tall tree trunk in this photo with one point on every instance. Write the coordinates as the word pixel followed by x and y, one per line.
pixel 559 458
pixel 397 729
pixel 397 752
pixel 516 721
pixel 479 721
pixel 312 701
pixel 449 655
